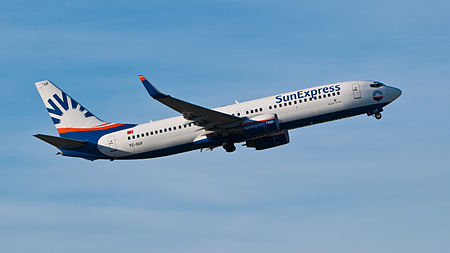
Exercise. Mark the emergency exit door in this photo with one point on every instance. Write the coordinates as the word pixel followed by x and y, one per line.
pixel 356 91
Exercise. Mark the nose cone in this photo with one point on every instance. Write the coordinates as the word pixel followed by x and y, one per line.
pixel 395 93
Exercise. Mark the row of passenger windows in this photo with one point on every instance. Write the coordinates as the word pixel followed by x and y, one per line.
pixel 289 103
pixel 160 131
pixel 249 111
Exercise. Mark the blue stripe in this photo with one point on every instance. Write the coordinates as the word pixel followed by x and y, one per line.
pixel 330 116
pixel 94 136
pixel 175 149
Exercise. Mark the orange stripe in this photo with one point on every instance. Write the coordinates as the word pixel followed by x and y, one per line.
pixel 141 77
pixel 69 130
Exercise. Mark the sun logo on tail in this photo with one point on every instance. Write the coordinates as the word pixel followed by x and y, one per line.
pixel 66 110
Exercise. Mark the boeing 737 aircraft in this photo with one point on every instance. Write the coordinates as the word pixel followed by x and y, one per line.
pixel 261 123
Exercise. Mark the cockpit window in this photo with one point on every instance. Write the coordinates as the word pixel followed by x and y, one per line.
pixel 376 84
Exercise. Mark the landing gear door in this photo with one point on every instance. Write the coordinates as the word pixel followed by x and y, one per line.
pixel 112 144
pixel 356 91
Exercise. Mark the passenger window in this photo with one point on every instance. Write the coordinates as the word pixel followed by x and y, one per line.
pixel 133 137
pixel 142 135
pixel 129 138
pixel 305 100
pixel 270 107
pixel 179 127
pixel 329 95
pixel 290 103
pixel 160 131
pixel 315 98
pixel 246 112
pixel 146 133
pixel 251 111
pixel 310 99
pixel 151 133
pixel 239 114
pixel 260 109
pixel 137 136
pixel 334 94
pixel 281 105
pixel 285 104
pixel 295 101
pixel 320 97
pixel 275 106
pixel 170 129
pixel 339 93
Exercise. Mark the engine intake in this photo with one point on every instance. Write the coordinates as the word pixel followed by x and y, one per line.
pixel 269 141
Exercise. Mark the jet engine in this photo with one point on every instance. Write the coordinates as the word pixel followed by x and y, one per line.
pixel 269 141
pixel 260 125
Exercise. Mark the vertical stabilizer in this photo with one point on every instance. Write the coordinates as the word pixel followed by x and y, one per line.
pixel 67 114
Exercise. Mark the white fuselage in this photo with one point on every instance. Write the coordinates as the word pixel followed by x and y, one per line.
pixel 174 135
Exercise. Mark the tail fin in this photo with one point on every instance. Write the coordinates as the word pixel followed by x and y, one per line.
pixel 67 114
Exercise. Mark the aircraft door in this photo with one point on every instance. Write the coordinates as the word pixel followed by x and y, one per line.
pixel 112 144
pixel 356 91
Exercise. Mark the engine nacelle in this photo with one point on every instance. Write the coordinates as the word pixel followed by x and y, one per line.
pixel 269 141
pixel 260 125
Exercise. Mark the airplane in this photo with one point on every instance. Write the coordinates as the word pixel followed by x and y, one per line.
pixel 261 123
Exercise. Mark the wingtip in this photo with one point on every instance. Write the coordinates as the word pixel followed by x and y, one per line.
pixel 141 77
pixel 154 93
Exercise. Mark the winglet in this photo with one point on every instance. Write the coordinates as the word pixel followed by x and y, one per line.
pixel 156 94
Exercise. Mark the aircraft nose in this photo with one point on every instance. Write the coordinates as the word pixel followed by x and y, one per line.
pixel 395 93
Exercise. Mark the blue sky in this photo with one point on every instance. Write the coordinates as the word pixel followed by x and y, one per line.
pixel 354 185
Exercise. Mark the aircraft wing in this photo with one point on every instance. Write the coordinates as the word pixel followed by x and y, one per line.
pixel 201 116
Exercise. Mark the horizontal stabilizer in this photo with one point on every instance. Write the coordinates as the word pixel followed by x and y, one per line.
pixel 61 143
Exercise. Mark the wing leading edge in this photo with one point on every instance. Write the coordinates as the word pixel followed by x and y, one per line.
pixel 207 118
